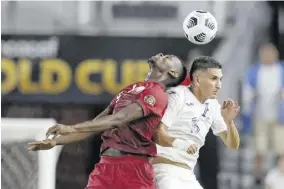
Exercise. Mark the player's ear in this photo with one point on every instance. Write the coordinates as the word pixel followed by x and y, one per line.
pixel 173 74
pixel 196 80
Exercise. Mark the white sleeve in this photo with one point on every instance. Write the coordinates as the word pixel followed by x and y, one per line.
pixel 219 124
pixel 175 102
pixel 269 178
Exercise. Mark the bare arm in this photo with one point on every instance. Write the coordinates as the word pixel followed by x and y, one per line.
pixel 164 139
pixel 75 137
pixel 130 113
pixel 230 137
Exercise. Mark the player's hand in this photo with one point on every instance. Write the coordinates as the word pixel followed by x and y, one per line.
pixel 41 145
pixel 230 110
pixel 192 149
pixel 59 129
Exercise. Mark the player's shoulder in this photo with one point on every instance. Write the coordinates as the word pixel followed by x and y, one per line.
pixel 151 85
pixel 154 89
pixel 178 90
pixel 178 93
pixel 213 103
pixel 138 87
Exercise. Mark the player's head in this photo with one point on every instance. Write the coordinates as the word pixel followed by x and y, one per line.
pixel 206 75
pixel 166 69
pixel 268 54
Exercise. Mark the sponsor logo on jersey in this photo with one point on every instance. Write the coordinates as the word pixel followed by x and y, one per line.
pixel 136 90
pixel 189 103
pixel 172 92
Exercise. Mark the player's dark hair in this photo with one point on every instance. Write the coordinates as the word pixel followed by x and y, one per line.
pixel 203 63
pixel 180 79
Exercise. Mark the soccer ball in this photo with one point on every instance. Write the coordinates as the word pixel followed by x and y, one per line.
pixel 200 27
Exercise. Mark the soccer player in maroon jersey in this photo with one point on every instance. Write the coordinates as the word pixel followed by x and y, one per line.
pixel 129 123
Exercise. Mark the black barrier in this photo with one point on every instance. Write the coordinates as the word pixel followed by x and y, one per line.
pixel 79 69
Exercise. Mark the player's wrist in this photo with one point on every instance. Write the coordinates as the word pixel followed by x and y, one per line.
pixel 229 122
pixel 181 144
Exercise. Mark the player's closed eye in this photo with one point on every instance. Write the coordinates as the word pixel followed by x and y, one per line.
pixel 217 78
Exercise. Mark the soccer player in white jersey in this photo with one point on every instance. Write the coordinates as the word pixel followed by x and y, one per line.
pixel 191 112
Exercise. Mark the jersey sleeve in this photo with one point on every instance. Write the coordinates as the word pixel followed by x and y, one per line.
pixel 153 101
pixel 175 104
pixel 219 124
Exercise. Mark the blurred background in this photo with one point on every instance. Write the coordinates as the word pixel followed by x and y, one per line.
pixel 67 59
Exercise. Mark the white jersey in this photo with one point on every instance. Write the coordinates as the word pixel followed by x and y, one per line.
pixel 188 119
pixel 275 179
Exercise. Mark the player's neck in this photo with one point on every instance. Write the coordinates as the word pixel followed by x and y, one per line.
pixel 197 94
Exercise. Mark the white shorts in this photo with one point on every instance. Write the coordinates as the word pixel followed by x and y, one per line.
pixel 173 177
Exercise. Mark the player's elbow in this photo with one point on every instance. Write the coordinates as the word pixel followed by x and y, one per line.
pixel 119 118
pixel 162 138
pixel 159 139
pixel 237 145
pixel 234 145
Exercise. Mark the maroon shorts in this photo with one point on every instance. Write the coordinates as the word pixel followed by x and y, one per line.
pixel 125 172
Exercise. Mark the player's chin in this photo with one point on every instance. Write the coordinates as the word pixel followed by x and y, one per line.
pixel 214 96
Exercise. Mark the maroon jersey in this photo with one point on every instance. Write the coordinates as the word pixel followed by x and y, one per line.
pixel 136 136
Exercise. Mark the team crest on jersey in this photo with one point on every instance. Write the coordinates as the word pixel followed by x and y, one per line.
pixel 149 99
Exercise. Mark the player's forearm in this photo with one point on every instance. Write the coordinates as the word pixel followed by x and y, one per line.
pixel 71 138
pixel 93 126
pixel 168 141
pixel 127 114
pixel 99 124
pixel 76 137
pixel 164 140
pixel 232 136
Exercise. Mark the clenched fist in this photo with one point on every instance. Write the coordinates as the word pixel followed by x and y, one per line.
pixel 192 149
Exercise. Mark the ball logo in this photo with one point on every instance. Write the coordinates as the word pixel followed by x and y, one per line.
pixel 201 11
pixel 200 37
pixel 209 24
pixel 149 99
pixel 191 22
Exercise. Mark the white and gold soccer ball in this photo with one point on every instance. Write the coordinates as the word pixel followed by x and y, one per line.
pixel 200 27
